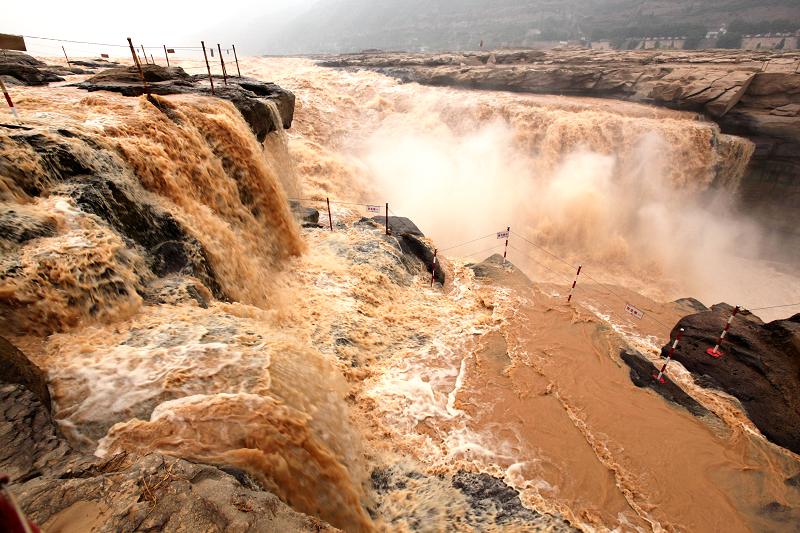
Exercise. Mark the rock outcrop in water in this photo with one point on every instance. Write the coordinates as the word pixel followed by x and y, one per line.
pixel 18 68
pixel 248 95
pixel 760 367
pixel 729 87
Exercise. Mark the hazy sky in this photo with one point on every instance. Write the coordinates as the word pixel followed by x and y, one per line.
pixel 152 22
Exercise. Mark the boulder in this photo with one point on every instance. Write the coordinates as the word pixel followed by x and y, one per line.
pixel 307 216
pixel 170 249
pixel 19 225
pixel 760 366
pixel 26 69
pixel 399 225
pixel 413 243
pixel 251 97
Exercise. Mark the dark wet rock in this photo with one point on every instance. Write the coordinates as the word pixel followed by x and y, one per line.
pixel 18 225
pixel 399 225
pixel 780 513
pixel 417 251
pixel 248 95
pixel 97 63
pixel 479 501
pixel 175 290
pixel 760 367
pixel 485 491
pixel 15 367
pixel 51 481
pixel 413 245
pixel 793 481
pixel 501 271
pixel 69 165
pixel 641 374
pixel 56 161
pixel 170 249
pixel 26 69
pixel 307 216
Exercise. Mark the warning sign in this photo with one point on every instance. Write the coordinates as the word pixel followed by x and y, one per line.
pixel 635 311
pixel 170 50
pixel 104 56
pixel 502 235
pixel 373 209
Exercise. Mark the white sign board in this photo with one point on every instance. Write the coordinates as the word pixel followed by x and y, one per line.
pixel 635 311
pixel 502 235
pixel 373 209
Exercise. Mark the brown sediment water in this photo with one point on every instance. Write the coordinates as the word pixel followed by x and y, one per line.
pixel 334 358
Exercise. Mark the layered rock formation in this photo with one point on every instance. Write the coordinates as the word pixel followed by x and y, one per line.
pixel 755 94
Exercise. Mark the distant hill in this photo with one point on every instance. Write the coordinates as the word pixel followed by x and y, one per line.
pixel 354 25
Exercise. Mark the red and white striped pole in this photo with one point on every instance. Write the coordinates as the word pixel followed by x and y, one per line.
pixel 505 250
pixel 8 98
pixel 660 376
pixel 433 267
pixel 714 352
pixel 571 289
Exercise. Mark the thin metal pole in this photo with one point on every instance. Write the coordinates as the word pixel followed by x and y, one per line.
pixel 571 289
pixel 144 54
pixel 714 352
pixel 203 44
pixel 387 218
pixel 152 59
pixel 330 219
pixel 166 55
pixel 660 375
pixel 65 56
pixel 8 99
pixel 433 267
pixel 222 62
pixel 138 66
pixel 505 250
pixel 237 61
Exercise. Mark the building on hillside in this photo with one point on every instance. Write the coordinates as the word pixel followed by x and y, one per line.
pixel 600 44
pixel 667 43
pixel 771 41
pixel 716 34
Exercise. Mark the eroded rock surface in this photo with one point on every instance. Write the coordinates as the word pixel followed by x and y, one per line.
pixel 760 367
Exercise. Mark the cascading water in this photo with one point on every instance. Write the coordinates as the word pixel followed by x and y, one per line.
pixel 312 359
